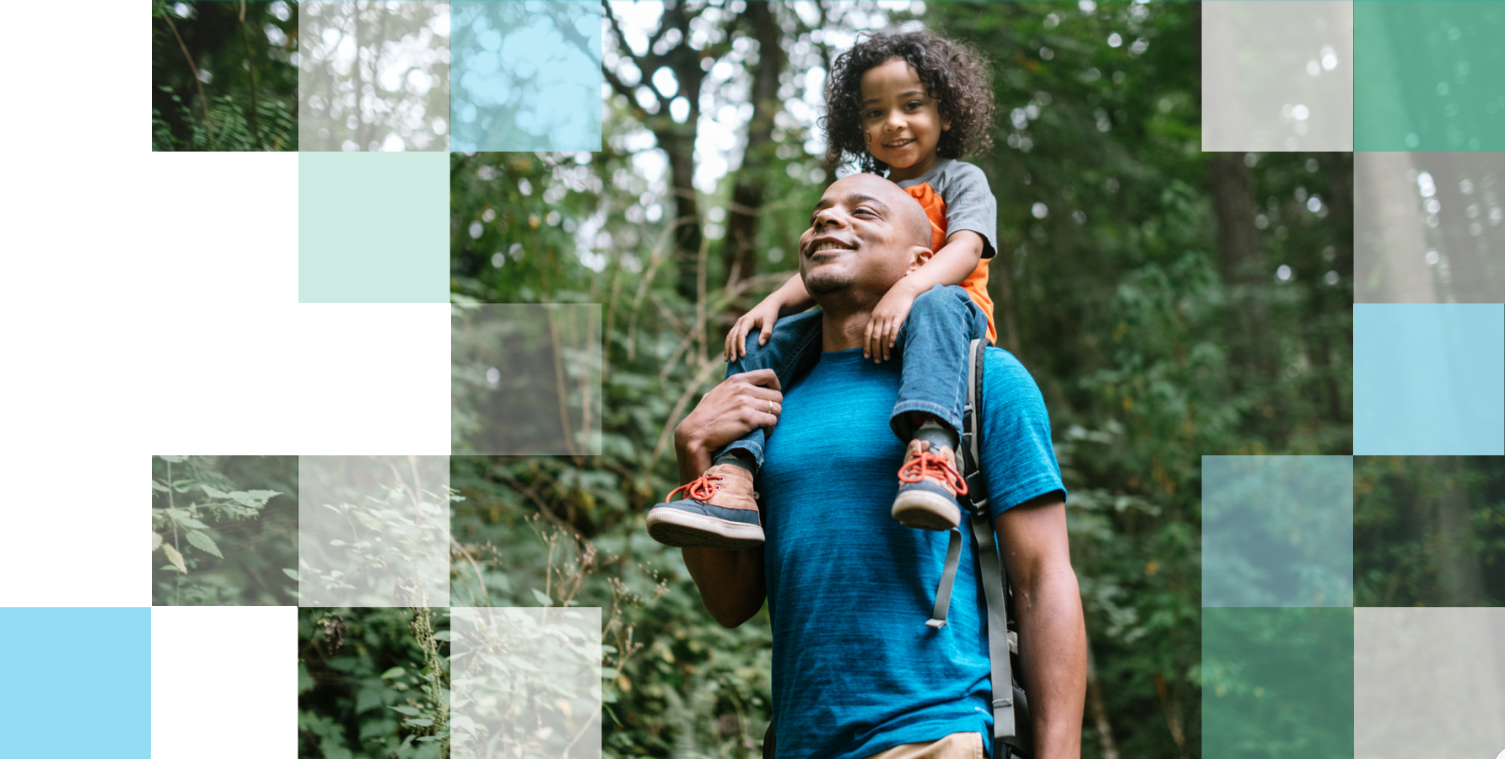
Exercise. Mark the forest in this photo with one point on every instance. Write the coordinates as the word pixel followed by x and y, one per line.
pixel 1170 303
pixel 224 75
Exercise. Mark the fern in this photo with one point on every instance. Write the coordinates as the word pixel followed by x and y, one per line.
pixel 276 122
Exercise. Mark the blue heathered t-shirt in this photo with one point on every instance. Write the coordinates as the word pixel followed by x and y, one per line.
pixel 856 670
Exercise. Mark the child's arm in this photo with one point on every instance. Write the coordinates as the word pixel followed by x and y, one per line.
pixel 790 298
pixel 948 266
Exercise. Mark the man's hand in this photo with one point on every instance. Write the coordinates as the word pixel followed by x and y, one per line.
pixel 730 410
pixel 888 316
pixel 730 582
pixel 761 317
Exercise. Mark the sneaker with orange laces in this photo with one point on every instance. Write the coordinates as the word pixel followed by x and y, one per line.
pixel 720 511
pixel 928 486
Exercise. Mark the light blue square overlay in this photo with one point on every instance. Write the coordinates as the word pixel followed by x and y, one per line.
pixel 78 682
pixel 1277 531
pixel 1428 379
pixel 525 75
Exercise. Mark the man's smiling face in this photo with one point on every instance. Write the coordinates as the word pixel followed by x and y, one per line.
pixel 863 237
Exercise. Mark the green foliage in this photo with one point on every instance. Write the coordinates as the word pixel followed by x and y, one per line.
pixel 222 537
pixel 1279 682
pixel 231 126
pixel 1429 531
pixel 373 682
pixel 1110 285
pixel 223 76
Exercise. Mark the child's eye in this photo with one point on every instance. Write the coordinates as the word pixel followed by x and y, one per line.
pixel 914 105
pixel 874 114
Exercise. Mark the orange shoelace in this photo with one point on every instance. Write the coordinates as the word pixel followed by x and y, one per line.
pixel 701 488
pixel 916 468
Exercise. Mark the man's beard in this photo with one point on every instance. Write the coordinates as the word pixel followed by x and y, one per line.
pixel 822 283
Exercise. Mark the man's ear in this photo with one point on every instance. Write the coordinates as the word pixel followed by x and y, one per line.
pixel 921 254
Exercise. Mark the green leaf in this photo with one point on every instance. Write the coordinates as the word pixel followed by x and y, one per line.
pixel 174 459
pixel 337 542
pixel 174 557
pixel 542 599
pixel 367 699
pixel 156 541
pixel 393 672
pixel 609 673
pixel 253 498
pixel 293 573
pixel 421 722
pixel 213 492
pixel 408 710
pixel 158 486
pixel 194 523
pixel 441 635
pixel 203 543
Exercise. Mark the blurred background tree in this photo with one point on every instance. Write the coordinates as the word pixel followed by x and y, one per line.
pixel 1170 304
pixel 1429 531
pixel 224 75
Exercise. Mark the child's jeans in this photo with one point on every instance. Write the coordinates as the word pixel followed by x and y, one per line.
pixel 932 347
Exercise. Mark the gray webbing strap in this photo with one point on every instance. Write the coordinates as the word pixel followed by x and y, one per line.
pixel 948 576
pixel 998 624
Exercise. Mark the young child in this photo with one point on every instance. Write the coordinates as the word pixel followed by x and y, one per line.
pixel 908 105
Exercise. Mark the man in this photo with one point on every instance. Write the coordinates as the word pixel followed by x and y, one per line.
pixel 856 671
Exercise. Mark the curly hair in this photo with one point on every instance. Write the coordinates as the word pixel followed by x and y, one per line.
pixel 955 74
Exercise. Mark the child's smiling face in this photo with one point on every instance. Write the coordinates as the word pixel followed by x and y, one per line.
pixel 901 122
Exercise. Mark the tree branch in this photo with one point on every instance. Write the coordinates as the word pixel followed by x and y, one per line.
pixel 203 100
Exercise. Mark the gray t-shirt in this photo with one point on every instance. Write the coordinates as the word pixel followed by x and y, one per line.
pixel 969 202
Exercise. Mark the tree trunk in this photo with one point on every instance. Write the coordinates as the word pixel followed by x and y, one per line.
pixel 1242 262
pixel 1098 710
pixel 1389 263
pixel 679 143
pixel 675 139
pixel 740 254
pixel 1460 579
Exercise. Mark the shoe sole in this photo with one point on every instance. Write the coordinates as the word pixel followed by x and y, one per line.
pixel 681 529
pixel 926 511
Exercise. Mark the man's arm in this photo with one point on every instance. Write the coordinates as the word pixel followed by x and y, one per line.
pixel 1052 634
pixel 730 582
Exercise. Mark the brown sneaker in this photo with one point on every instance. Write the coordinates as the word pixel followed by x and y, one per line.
pixel 928 486
pixel 720 512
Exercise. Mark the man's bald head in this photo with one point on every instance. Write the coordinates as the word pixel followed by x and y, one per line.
pixel 910 218
pixel 866 234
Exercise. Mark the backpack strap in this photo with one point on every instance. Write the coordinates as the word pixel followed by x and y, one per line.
pixel 998 625
pixel 990 564
pixel 971 472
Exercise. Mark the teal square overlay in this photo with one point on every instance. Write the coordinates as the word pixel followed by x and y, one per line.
pixel 1427 76
pixel 1280 683
pixel 373 228
pixel 79 681
pixel 1429 379
pixel 1277 531
pixel 525 76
